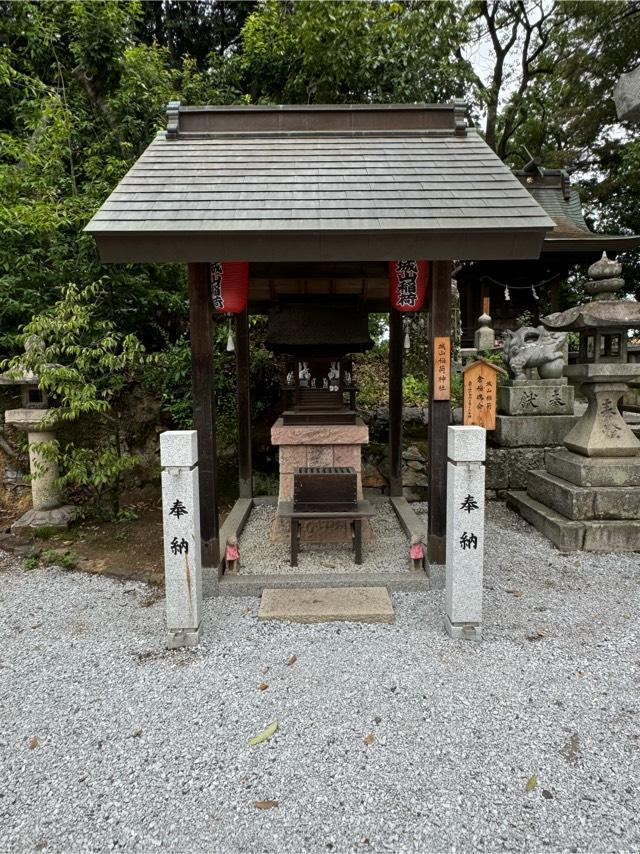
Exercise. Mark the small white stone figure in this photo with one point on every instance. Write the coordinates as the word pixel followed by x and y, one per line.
pixel 334 376
pixel 304 374
pixel 325 383
pixel 290 378
pixel 313 383
pixel 347 377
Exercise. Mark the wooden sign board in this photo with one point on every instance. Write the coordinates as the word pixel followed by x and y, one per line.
pixel 480 381
pixel 442 368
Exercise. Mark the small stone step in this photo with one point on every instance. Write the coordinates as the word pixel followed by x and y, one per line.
pixel 325 604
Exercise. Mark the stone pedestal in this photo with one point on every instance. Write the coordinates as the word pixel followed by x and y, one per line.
pixel 602 432
pixel 48 510
pixel 535 416
pixel 536 397
pixel 318 445
pixel 587 497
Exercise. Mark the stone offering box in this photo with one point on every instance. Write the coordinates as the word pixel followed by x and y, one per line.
pixel 318 489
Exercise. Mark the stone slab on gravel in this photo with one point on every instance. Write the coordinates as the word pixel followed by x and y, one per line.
pixel 327 604
pixel 392 738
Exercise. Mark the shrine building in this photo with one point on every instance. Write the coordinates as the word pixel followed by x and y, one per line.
pixel 321 206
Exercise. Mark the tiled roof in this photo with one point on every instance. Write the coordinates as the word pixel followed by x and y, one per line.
pixel 379 182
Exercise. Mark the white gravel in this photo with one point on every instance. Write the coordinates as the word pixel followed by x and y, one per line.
pixel 142 749
pixel 388 550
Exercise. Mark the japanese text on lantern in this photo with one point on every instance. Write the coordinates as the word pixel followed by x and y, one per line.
pixel 407 273
pixel 441 368
pixel 480 395
pixel 216 286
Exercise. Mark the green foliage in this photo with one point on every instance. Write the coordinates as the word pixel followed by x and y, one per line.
pixel 345 52
pixel 457 390
pixel 29 563
pixel 85 366
pixel 415 390
pixel 53 557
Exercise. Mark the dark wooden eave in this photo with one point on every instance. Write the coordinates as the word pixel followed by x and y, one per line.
pixel 318 183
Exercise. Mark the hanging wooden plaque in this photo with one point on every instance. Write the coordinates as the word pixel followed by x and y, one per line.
pixel 442 368
pixel 480 381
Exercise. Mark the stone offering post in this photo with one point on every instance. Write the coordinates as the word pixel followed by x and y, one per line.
pixel 181 525
pixel 465 532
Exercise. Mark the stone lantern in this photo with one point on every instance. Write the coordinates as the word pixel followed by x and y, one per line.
pixel 588 496
pixel 602 371
pixel 34 417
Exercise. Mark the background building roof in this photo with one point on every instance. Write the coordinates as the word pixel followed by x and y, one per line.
pixel 551 188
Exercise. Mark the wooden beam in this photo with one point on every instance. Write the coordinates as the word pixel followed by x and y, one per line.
pixel 439 413
pixel 245 473
pixel 395 402
pixel 204 409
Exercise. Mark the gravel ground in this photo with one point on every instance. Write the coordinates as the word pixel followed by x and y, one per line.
pixel 107 741
pixel 387 552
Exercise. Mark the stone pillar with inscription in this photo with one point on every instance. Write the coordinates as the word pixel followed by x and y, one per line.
pixel 181 526
pixel 465 532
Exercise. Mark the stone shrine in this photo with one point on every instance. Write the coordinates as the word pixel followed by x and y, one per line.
pixel 535 407
pixel 319 425
pixel 587 497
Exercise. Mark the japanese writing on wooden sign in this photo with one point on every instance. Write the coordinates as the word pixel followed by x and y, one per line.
pixel 442 368
pixel 480 381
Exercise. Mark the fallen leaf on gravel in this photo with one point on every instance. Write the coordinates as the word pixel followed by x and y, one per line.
pixel 34 743
pixel 517 593
pixel 267 805
pixel 263 686
pixel 369 739
pixel 532 782
pixel 581 674
pixel 266 734
pixel 536 636
pixel 292 660
pixel 547 794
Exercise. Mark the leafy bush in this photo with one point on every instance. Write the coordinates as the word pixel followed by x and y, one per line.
pixel 86 367
pixel 415 391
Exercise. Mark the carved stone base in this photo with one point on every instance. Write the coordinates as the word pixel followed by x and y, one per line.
pixel 602 431
pixel 318 531
pixel 536 397
pixel 61 517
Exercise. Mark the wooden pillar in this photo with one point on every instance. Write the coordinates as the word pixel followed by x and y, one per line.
pixel 204 409
pixel 395 402
pixel 439 413
pixel 245 473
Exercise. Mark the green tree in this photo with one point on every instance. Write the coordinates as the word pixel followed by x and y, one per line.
pixel 344 52
pixel 86 366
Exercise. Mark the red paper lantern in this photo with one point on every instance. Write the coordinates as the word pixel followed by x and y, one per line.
pixel 407 284
pixel 229 286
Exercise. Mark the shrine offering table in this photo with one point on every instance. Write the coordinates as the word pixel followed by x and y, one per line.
pixel 363 510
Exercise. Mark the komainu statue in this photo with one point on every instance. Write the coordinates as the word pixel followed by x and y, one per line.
pixel 530 347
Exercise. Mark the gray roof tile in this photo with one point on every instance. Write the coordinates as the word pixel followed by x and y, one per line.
pixel 326 183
